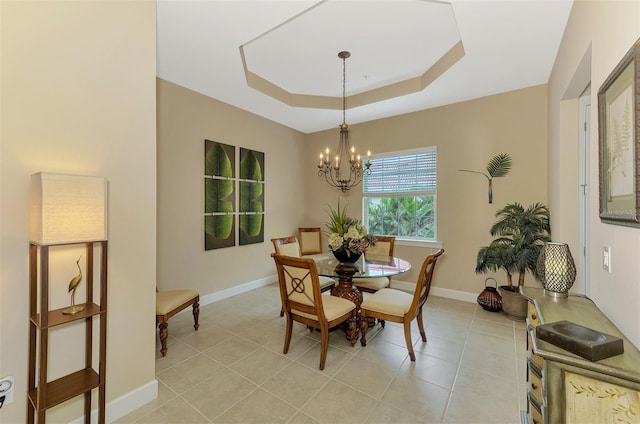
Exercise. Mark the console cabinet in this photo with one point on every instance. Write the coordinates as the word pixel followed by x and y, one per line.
pixel 566 388
pixel 44 394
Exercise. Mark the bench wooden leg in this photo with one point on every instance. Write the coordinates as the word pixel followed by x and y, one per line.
pixel 164 332
pixel 196 315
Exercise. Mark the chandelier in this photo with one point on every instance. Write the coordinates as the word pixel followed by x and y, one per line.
pixel 334 173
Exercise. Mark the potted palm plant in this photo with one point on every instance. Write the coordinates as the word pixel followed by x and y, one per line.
pixel 520 234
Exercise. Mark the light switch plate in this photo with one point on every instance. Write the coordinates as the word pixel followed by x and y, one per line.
pixel 606 258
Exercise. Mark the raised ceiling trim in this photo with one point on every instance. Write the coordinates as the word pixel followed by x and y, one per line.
pixel 398 89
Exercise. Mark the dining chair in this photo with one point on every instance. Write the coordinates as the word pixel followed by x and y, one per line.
pixel 310 239
pixel 399 306
pixel 303 301
pixel 168 304
pixel 289 246
pixel 383 247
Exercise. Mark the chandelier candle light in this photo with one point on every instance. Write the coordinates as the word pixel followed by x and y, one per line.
pixel 357 168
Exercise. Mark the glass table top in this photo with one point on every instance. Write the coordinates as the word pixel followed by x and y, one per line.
pixel 365 267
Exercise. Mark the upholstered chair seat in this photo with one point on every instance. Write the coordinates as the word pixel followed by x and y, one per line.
pixel 390 301
pixel 334 307
pixel 371 285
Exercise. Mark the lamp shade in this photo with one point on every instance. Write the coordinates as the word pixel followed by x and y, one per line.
pixel 555 268
pixel 67 209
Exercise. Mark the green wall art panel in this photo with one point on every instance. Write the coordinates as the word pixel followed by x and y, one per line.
pixel 219 195
pixel 251 197
pixel 219 159
pixel 251 165
pixel 219 224
pixel 249 223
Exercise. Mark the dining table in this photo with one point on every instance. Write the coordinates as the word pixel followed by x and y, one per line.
pixel 367 266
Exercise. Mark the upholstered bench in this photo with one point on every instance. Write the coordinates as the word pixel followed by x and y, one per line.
pixel 168 304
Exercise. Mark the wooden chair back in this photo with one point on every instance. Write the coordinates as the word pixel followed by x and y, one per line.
pixel 300 287
pixel 423 285
pixel 286 246
pixel 289 246
pixel 382 247
pixel 310 239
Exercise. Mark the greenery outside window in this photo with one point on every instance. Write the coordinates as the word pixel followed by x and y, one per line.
pixel 400 194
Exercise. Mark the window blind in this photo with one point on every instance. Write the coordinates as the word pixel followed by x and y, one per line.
pixel 415 172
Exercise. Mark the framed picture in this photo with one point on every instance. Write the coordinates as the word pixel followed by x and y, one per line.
pixel 619 137
pixel 219 195
pixel 251 195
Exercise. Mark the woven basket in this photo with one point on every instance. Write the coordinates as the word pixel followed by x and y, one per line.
pixel 489 298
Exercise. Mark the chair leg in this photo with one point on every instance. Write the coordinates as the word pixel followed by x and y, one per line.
pixel 164 332
pixel 287 336
pixel 196 315
pixel 407 339
pixel 324 345
pixel 421 326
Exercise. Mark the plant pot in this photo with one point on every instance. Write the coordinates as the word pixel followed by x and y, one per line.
pixel 513 304
pixel 344 255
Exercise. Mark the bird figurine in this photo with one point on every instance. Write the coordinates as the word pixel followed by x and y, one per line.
pixel 73 285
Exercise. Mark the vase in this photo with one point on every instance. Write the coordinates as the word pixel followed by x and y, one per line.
pixel 344 255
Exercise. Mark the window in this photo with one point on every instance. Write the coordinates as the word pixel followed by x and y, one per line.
pixel 400 194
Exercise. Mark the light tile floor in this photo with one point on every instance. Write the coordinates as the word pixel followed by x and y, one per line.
pixel 232 370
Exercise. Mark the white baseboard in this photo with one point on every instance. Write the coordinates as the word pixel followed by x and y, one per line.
pixel 437 291
pixel 126 403
pixel 232 291
pixel 402 285
pixel 454 294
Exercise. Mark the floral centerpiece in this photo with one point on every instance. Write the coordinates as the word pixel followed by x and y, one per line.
pixel 348 238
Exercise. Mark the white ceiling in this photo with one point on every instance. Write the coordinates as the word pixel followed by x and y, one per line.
pixel 508 44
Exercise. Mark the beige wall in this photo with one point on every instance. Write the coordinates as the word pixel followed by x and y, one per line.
pixel 606 30
pixel 467 135
pixel 185 120
pixel 78 97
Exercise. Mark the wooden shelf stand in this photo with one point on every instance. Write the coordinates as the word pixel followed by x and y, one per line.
pixel 44 394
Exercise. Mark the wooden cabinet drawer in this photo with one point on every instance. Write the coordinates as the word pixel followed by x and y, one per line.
pixel 532 315
pixel 535 387
pixel 535 358
pixel 534 414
